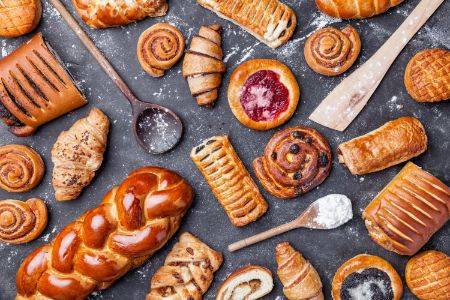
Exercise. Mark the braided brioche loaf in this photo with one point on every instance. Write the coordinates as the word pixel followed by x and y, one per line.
pixel 132 222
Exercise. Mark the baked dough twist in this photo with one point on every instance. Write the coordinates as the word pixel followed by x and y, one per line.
pixel 78 154
pixel 187 272
pixel 427 76
pixel 19 17
pixel 330 51
pixel 22 222
pixel 229 180
pixel 21 168
pixel 133 221
pixel 359 9
pixel 296 160
pixel 428 275
pixel 110 13
pixel 159 48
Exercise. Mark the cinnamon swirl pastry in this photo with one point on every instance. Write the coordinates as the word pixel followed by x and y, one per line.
pixel 159 48
pixel 296 160
pixel 21 168
pixel 330 51
pixel 22 222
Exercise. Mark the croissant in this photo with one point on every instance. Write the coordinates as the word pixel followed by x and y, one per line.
pixel 78 154
pixel 134 220
pixel 203 66
pixel 300 279
pixel 109 13
pixel 187 272
pixel 359 9
pixel 19 17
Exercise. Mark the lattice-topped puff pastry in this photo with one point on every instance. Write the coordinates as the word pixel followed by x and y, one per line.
pixel 270 21
pixel 229 180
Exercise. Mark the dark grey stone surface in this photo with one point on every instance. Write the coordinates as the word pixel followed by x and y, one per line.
pixel 327 250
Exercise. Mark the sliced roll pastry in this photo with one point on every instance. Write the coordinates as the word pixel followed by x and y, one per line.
pixel 22 222
pixel 229 180
pixel 330 51
pixel 408 211
pixel 270 21
pixel 249 282
pixel 187 272
pixel 299 278
pixel 203 66
pixel 19 17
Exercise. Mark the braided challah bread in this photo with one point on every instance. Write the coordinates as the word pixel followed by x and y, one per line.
pixel 132 222
pixel 110 13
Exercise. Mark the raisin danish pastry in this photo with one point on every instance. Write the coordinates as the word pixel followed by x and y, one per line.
pixel 187 272
pixel 249 282
pixel 395 142
pixel 22 222
pixel 110 13
pixel 263 93
pixel 35 88
pixel 408 211
pixel 367 277
pixel 299 278
pixel 19 17
pixel 296 160
pixel 270 21
pixel 21 168
pixel 359 9
pixel 229 180
pixel 427 76
pixel 133 221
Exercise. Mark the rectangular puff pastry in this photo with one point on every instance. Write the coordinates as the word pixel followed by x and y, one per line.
pixel 395 142
pixel 229 180
pixel 270 21
pixel 408 211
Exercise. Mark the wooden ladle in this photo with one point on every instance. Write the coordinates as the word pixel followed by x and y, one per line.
pixel 156 128
pixel 347 100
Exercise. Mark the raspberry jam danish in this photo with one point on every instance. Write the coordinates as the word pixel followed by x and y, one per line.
pixel 296 160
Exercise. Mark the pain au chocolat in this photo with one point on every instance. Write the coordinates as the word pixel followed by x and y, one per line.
pixel 408 211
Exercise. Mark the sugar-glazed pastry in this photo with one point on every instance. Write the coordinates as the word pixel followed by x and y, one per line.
pixel 134 220
pixel 110 13
pixel 428 275
pixel 367 277
pixel 359 9
pixel 229 180
pixel 427 76
pixel 21 222
pixel 263 93
pixel 159 48
pixel 187 272
pixel 78 154
pixel 395 142
pixel 270 21
pixel 203 65
pixel 408 211
pixel 296 160
pixel 299 278
pixel 249 282
pixel 19 17
pixel 35 88
pixel 21 168
pixel 330 51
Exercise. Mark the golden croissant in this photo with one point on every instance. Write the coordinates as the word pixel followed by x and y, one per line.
pixel 355 9
pixel 78 154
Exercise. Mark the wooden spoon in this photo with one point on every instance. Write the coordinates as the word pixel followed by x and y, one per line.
pixel 311 218
pixel 156 128
pixel 347 100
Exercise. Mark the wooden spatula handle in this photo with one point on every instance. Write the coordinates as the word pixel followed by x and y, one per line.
pixel 263 236
pixel 347 100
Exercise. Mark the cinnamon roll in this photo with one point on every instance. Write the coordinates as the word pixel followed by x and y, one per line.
pixel 21 168
pixel 296 160
pixel 159 48
pixel 330 51
pixel 22 222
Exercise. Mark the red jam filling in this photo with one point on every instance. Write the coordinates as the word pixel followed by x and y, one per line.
pixel 264 97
